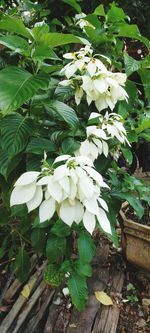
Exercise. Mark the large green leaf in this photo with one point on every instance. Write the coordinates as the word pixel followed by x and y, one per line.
pixel 18 86
pixel 86 247
pixel 22 265
pixel 42 52
pixel 145 77
pixel 66 112
pixel 70 145
pixel 15 131
pixel 16 43
pixel 74 4
pixel 13 24
pixel 131 65
pixel 39 145
pixel 53 39
pixel 116 14
pixel 78 290
pixel 38 239
pixel 7 164
pixel 133 201
pixel 55 248
pixel 99 10
pixel 60 229
pixel 132 31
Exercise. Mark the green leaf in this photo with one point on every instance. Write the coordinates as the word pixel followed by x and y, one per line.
pixel 60 229
pixel 73 4
pixel 39 30
pixel 143 125
pixel 127 153
pixel 34 162
pixel 38 239
pixel 99 10
pixel 83 269
pixel 18 86
pixel 70 145
pixel 145 77
pixel 55 248
pixel 132 31
pixel 15 131
pixel 13 24
pixel 38 145
pixel 116 14
pixel 52 275
pixel 16 43
pixel 66 112
pixel 86 247
pixel 134 202
pixel 131 65
pixel 22 264
pixel 53 39
pixel 8 164
pixel 78 290
pixel 42 52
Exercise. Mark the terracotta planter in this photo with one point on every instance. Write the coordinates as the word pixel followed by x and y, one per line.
pixel 136 241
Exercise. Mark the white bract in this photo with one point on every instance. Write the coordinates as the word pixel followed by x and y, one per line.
pixel 72 190
pixel 108 127
pixel 88 75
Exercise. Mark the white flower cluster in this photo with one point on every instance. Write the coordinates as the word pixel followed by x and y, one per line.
pixel 107 127
pixel 80 20
pixel 89 76
pixel 72 190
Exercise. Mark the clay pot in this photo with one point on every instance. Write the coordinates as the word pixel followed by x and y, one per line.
pixel 136 242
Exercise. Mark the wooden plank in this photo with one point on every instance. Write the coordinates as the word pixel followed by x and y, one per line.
pixel 29 305
pixel 34 322
pixel 16 285
pixel 83 322
pixel 21 300
pixel 52 317
pixel 107 319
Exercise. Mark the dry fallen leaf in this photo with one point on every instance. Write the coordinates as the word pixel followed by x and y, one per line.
pixel 25 291
pixel 103 298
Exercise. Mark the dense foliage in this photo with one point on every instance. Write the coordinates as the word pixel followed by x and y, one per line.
pixel 74 111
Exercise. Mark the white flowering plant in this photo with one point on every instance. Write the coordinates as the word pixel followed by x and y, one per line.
pixel 70 116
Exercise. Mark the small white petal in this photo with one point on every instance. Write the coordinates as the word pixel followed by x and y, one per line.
pixel 85 148
pixel 103 221
pixel 91 205
pixel 47 210
pixel 22 194
pixel 55 191
pixel 61 158
pixel 65 184
pixel 70 70
pixel 44 180
pixel 27 178
pixel 73 190
pixel 101 85
pixel 79 211
pixel 91 67
pixel 94 174
pixel 69 55
pixel 36 200
pixel 103 204
pixel 67 213
pixel 94 115
pixel 60 172
pixel 82 160
pixel 86 187
pixel 89 221
pixel 105 148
